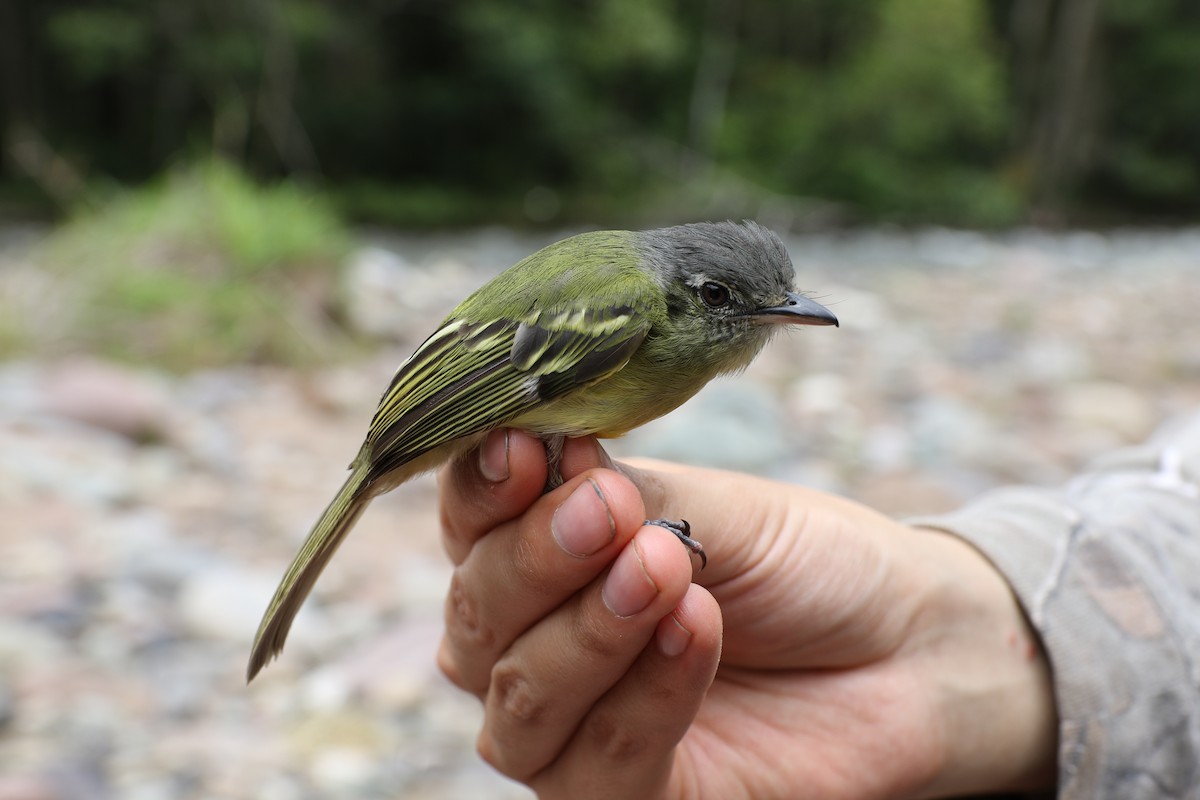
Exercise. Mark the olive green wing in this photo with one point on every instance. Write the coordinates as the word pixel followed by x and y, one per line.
pixel 466 378
pixel 469 377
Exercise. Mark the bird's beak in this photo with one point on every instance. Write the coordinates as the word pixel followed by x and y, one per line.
pixel 796 310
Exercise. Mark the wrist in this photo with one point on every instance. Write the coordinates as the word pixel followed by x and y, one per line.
pixel 987 673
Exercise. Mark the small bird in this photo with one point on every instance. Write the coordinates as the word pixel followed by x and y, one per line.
pixel 593 335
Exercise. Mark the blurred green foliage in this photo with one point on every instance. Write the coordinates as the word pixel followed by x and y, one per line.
pixel 424 112
pixel 201 268
pixel 923 84
pixel 1152 156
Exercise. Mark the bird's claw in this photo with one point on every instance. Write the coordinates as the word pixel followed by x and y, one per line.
pixel 683 532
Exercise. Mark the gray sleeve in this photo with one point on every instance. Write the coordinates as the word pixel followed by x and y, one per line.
pixel 1108 571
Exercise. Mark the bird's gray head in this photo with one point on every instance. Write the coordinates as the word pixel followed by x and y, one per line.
pixel 733 278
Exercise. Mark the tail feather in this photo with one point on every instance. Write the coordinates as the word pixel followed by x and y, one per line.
pixel 336 521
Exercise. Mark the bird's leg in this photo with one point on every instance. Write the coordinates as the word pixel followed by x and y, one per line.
pixel 683 532
pixel 554 452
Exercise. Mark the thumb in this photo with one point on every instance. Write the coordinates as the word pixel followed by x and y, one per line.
pixel 734 516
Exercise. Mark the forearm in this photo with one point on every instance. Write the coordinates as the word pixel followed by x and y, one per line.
pixel 1108 572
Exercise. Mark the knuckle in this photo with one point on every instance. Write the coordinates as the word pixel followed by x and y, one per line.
pixel 516 696
pixel 463 620
pixel 514 707
pixel 594 639
pixel 607 736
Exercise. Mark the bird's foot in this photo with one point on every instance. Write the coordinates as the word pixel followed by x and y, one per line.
pixel 683 532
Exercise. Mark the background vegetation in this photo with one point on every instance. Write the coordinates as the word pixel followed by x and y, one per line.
pixel 203 160
pixel 425 112
pixel 200 268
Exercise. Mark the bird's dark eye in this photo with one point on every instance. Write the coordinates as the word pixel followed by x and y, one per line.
pixel 714 295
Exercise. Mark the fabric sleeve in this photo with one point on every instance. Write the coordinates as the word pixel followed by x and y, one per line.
pixel 1108 571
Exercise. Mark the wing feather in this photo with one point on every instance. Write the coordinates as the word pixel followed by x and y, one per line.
pixel 470 377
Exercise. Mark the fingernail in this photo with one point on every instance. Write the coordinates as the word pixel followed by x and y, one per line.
pixel 583 524
pixel 628 588
pixel 493 456
pixel 672 637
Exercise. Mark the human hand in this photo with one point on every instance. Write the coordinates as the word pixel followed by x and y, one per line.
pixel 859 657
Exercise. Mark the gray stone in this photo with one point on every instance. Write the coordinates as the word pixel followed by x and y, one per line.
pixel 376 283
pixel 8 704
pixel 386 295
pixel 946 430
pixel 732 425
pixel 78 465
pixel 1054 359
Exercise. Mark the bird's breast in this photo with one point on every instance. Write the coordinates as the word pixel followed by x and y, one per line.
pixel 643 390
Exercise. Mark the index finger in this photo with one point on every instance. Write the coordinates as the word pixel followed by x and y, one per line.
pixel 489 485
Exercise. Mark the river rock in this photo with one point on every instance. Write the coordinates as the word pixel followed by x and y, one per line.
pixel 108 396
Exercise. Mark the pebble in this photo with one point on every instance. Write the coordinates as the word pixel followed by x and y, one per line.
pixel 727 424
pixel 377 283
pixel 1106 406
pixel 8 705
pixel 29 787
pixel 818 394
pixel 338 770
pixel 388 296
pixel 946 430
pixel 148 517
pixel 224 602
pixel 104 395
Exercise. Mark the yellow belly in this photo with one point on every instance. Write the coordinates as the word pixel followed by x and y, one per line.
pixel 610 407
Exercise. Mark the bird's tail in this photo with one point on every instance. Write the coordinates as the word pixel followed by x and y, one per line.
pixel 336 521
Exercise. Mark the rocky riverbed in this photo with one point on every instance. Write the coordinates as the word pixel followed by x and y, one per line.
pixel 147 516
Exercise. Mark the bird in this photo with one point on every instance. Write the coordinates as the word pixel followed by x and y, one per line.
pixel 595 334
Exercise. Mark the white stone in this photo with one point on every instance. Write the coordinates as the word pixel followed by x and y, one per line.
pixel 226 603
pixel 819 393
